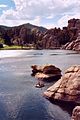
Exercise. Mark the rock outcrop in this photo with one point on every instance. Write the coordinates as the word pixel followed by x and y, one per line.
pixel 49 39
pixel 67 88
pixel 76 113
pixel 46 72
pixel 74 33
pixel 74 45
pixel 42 38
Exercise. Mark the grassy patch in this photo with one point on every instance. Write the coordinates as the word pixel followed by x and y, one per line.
pixel 15 47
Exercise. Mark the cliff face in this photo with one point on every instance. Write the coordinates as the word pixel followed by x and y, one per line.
pixel 41 38
pixel 67 38
pixel 74 42
pixel 74 45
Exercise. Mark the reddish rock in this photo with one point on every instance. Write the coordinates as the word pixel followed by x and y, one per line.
pixel 74 45
pixel 46 72
pixel 40 37
pixel 76 113
pixel 67 88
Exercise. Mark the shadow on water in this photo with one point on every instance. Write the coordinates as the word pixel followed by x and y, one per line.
pixel 66 106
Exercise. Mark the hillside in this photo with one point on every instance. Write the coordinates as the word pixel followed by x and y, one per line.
pixel 42 38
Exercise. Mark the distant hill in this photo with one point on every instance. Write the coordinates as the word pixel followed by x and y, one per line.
pixel 30 26
pixel 22 34
pixel 27 25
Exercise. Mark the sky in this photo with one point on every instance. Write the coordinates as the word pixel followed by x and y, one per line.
pixel 46 13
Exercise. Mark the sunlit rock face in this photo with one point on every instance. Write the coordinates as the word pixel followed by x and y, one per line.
pixel 74 31
pixel 67 88
pixel 76 113
pixel 74 23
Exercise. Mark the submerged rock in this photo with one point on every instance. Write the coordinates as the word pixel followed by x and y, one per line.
pixel 46 72
pixel 76 113
pixel 39 85
pixel 67 88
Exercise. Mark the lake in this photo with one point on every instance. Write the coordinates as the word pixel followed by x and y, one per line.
pixel 19 98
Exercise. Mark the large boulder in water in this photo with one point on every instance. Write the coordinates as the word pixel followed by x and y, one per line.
pixel 67 88
pixel 46 72
pixel 76 113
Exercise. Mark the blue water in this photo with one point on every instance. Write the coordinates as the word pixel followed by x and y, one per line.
pixel 19 99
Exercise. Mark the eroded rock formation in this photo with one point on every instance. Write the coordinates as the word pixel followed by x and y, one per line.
pixel 74 45
pixel 74 31
pixel 46 72
pixel 42 38
pixel 67 88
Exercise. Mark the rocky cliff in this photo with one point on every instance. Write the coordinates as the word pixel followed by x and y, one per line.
pixel 66 38
pixel 41 38
pixel 74 42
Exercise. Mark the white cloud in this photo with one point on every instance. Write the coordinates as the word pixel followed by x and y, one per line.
pixel 34 11
pixel 48 26
pixel 64 20
pixel 3 6
pixel 50 16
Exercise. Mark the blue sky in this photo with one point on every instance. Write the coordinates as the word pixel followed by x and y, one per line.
pixel 6 4
pixel 47 13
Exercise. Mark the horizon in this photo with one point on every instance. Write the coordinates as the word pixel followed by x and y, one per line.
pixel 43 13
pixel 36 25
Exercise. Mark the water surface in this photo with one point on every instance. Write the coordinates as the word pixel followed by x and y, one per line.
pixel 19 99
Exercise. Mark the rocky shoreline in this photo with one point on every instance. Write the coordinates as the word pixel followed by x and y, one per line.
pixel 66 89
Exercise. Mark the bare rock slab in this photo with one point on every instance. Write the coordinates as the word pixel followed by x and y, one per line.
pixel 67 88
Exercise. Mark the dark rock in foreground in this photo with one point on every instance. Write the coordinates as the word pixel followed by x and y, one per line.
pixel 46 72
pixel 76 113
pixel 67 88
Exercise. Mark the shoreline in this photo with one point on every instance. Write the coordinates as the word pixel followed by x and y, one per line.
pixel 77 52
